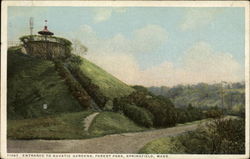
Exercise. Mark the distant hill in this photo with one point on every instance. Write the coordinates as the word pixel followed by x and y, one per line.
pixel 34 83
pixel 204 95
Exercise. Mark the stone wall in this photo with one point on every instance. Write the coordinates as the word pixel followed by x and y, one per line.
pixel 49 48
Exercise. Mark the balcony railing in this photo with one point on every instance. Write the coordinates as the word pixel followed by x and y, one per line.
pixel 54 39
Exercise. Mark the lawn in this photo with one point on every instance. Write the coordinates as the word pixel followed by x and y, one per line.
pixel 112 123
pixel 63 126
pixel 70 126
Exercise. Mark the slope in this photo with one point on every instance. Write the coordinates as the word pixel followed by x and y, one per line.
pixel 109 86
pixel 31 84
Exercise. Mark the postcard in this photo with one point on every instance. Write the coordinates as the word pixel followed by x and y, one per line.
pixel 125 79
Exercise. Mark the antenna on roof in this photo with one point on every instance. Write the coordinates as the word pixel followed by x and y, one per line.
pixel 31 25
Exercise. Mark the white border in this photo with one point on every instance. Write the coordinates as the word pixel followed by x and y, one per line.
pixel 5 4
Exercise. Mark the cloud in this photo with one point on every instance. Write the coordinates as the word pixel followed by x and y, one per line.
pixel 116 55
pixel 198 17
pixel 103 14
pixel 143 40
pixel 200 63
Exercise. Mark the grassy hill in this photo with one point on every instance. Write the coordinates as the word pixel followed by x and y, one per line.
pixel 33 82
pixel 110 86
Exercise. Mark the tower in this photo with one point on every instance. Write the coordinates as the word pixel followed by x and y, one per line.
pixel 31 25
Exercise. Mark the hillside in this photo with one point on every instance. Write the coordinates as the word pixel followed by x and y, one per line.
pixel 109 86
pixel 33 82
pixel 204 95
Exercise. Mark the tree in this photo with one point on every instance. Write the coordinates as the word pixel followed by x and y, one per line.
pixel 79 48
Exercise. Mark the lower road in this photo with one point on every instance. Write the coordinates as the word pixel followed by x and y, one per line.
pixel 117 143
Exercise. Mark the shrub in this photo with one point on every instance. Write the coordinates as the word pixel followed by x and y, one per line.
pixel 77 91
pixel 139 115
pixel 221 136
pixel 214 113
pixel 87 84
pixel 163 111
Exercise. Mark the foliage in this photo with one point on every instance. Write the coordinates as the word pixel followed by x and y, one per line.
pixel 78 92
pixel 204 95
pixel 112 123
pixel 190 113
pixel 139 115
pixel 163 110
pixel 87 84
pixel 214 112
pixel 33 82
pixel 220 136
pixel 169 145
pixel 78 47
pixel 63 126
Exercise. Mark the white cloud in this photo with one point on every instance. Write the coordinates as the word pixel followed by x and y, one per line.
pixel 197 17
pixel 103 14
pixel 143 40
pixel 200 63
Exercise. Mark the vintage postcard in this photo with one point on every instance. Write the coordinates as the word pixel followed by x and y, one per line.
pixel 125 79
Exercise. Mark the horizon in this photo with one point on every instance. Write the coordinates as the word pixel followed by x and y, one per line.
pixel 194 45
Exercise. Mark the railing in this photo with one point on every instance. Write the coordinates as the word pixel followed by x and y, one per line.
pixel 29 38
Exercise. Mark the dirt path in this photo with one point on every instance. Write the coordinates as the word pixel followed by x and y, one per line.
pixel 88 120
pixel 118 143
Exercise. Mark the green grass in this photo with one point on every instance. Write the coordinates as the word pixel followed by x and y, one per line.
pixel 109 85
pixel 70 126
pixel 167 145
pixel 33 82
pixel 63 126
pixel 112 123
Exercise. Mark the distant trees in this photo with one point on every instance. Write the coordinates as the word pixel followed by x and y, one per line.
pixel 205 95
pixel 189 113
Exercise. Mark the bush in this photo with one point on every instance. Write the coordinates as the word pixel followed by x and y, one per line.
pixel 87 84
pixel 221 136
pixel 214 113
pixel 139 115
pixel 77 91
pixel 163 111
pixel 189 114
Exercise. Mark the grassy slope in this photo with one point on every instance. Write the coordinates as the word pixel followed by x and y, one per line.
pixel 109 85
pixel 70 126
pixel 111 123
pixel 36 83
pixel 63 126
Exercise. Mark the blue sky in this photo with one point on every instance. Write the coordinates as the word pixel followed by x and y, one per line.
pixel 136 44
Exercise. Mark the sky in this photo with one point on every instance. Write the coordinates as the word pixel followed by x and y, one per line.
pixel 150 46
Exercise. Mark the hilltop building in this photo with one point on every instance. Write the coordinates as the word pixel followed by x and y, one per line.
pixel 45 45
